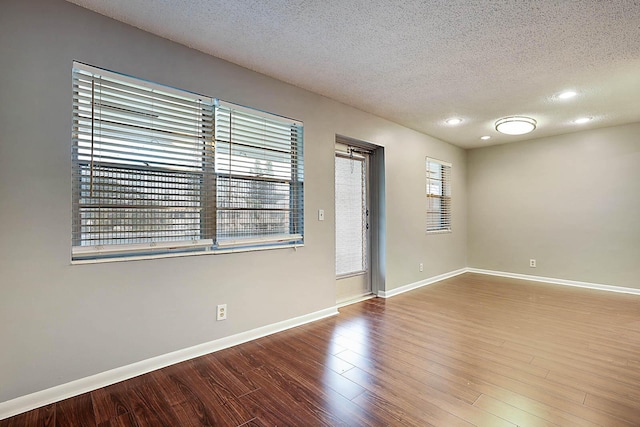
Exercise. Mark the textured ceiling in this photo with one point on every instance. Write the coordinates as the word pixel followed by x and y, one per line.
pixel 419 62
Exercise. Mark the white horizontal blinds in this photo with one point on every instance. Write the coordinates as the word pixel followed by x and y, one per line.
pixel 260 177
pixel 143 165
pixel 351 233
pixel 438 195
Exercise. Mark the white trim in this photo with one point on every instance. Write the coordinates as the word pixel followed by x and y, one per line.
pixel 352 274
pixel 551 280
pixel 354 300
pixel 440 231
pixel 293 246
pixel 564 282
pixel 138 247
pixel 416 285
pixel 74 388
pixel 281 238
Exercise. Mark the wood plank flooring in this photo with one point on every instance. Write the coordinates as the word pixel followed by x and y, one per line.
pixel 472 350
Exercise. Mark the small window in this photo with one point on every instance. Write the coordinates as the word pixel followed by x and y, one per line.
pixel 160 170
pixel 438 196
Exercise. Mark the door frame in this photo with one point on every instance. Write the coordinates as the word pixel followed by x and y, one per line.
pixel 377 210
pixel 355 284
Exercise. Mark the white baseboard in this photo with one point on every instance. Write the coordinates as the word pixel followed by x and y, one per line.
pixel 416 285
pixel 74 388
pixel 552 280
pixel 355 300
pixel 564 282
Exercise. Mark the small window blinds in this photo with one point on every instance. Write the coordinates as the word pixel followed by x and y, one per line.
pixel 351 215
pixel 438 195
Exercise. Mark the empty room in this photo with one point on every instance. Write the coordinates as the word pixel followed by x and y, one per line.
pixel 299 213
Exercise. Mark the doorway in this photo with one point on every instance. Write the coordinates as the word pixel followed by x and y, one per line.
pixel 353 222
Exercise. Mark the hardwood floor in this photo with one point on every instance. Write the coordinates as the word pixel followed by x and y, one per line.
pixel 472 350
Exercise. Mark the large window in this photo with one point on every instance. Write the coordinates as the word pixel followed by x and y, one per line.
pixel 162 170
pixel 438 196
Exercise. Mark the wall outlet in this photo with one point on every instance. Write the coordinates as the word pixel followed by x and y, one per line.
pixel 221 314
pixel 532 263
pixel 421 267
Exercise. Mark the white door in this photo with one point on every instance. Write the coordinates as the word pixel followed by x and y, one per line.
pixel 353 278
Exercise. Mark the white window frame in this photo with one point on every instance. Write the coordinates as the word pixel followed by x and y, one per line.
pixel 170 157
pixel 254 164
pixel 438 196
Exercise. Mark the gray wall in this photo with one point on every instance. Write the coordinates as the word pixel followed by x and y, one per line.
pixel 571 202
pixel 60 322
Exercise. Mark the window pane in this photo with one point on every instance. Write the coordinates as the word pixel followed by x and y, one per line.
pixel 434 170
pixel 438 191
pixel 249 208
pixel 142 164
pixel 260 174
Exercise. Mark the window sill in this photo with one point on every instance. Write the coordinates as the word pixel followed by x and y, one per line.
pixel 184 254
pixel 439 231
pixel 352 274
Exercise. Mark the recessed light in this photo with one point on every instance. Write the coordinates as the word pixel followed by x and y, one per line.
pixel 515 125
pixel 484 138
pixel 582 120
pixel 567 94
pixel 454 121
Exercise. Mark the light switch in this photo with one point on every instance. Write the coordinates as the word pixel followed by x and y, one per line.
pixel 320 214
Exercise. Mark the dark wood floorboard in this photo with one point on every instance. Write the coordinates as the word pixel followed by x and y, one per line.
pixel 472 350
pixel 77 411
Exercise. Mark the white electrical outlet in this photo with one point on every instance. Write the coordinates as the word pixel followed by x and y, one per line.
pixel 421 267
pixel 532 263
pixel 221 314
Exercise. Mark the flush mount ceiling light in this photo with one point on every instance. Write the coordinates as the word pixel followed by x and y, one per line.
pixel 484 138
pixel 582 120
pixel 567 94
pixel 454 121
pixel 515 125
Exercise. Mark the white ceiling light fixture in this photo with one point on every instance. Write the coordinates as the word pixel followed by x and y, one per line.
pixel 454 121
pixel 515 125
pixel 484 138
pixel 567 94
pixel 582 120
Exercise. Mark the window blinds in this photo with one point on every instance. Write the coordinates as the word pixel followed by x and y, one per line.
pixel 260 169
pixel 351 212
pixel 143 165
pixel 438 195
